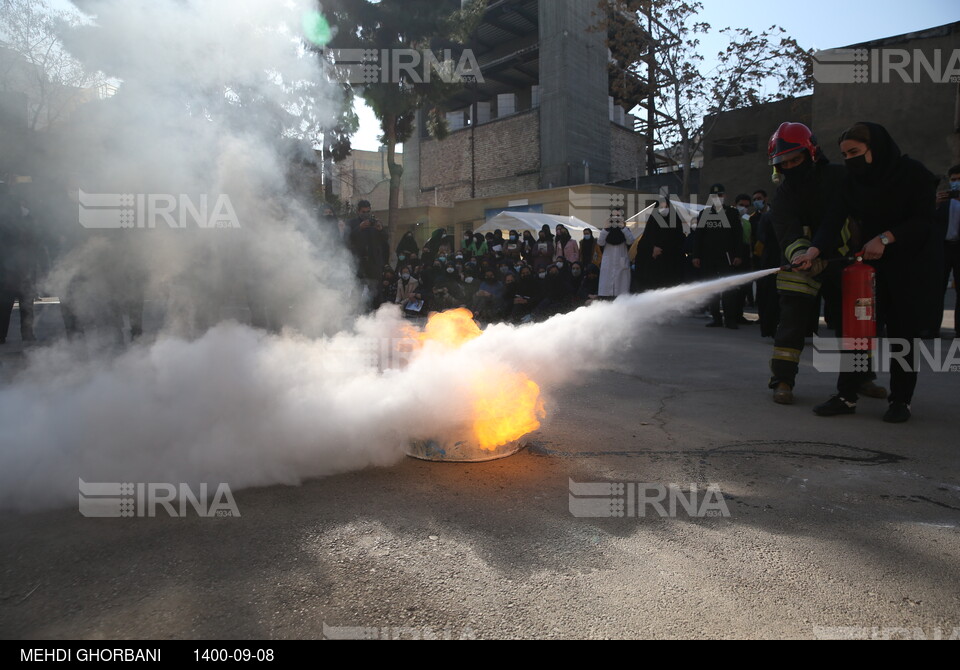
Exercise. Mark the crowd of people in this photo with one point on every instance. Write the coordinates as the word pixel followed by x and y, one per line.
pixel 519 276
pixel 879 204
pixel 514 278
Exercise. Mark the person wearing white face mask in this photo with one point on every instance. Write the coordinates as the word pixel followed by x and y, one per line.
pixel 590 251
pixel 448 290
pixel 513 251
pixel 948 219
pixel 557 294
pixel 407 288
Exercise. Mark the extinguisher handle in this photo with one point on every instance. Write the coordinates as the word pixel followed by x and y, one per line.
pixel 850 259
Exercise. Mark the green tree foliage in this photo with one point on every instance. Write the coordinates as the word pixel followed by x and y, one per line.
pixel 395 25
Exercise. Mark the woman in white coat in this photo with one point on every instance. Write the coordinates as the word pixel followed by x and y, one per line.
pixel 615 268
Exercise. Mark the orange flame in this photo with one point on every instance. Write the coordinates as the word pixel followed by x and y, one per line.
pixel 506 405
pixel 453 329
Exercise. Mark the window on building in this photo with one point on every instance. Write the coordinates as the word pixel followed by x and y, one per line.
pixel 732 147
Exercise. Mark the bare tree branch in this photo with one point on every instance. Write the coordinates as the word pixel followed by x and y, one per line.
pixel 34 62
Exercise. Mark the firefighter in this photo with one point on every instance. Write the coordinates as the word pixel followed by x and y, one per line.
pixel 892 197
pixel 809 218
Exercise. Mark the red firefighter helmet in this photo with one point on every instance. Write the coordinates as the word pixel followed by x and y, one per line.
pixel 789 138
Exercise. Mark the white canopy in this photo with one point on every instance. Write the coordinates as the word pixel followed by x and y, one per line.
pixel 687 212
pixel 521 221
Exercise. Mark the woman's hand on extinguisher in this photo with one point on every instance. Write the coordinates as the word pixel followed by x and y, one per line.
pixel 875 248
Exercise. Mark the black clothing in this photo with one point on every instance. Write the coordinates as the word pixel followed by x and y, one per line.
pixel 432 247
pixel 20 253
pixel 408 246
pixel 768 302
pixel 370 249
pixel 589 284
pixel 808 210
pixel 667 270
pixel 719 241
pixel 811 208
pixel 951 264
pixel 897 193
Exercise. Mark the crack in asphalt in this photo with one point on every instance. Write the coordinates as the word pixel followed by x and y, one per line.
pixel 869 457
pixel 925 499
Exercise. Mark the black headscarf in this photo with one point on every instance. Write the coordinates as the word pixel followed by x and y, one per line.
pixel 575 281
pixel 886 153
pixel 556 286
pixel 528 285
pixel 408 245
pixel 432 246
pixel 591 281
pixel 895 193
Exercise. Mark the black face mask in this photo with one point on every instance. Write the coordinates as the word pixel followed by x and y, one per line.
pixel 799 171
pixel 858 165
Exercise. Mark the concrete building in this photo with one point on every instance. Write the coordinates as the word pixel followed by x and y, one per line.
pixel 542 117
pixel 363 175
pixel 921 111
pixel 908 83
pixel 735 145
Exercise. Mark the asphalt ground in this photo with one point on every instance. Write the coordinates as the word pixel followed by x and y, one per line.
pixel 844 527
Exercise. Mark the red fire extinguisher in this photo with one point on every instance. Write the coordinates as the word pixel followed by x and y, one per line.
pixel 859 306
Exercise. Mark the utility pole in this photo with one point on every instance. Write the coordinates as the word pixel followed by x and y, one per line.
pixel 652 98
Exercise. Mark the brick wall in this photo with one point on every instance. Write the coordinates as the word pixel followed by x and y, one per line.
pixel 627 158
pixel 507 161
pixel 508 155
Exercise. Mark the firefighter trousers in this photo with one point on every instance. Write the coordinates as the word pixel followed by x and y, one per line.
pixel 796 316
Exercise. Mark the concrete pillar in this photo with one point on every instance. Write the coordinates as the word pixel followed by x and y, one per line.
pixel 574 107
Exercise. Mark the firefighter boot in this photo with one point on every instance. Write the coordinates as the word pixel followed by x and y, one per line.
pixel 783 394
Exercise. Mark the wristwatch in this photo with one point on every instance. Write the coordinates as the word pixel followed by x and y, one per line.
pixel 884 240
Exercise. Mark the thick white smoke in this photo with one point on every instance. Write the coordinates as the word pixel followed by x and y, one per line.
pixel 249 409
pixel 216 98
pixel 197 112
